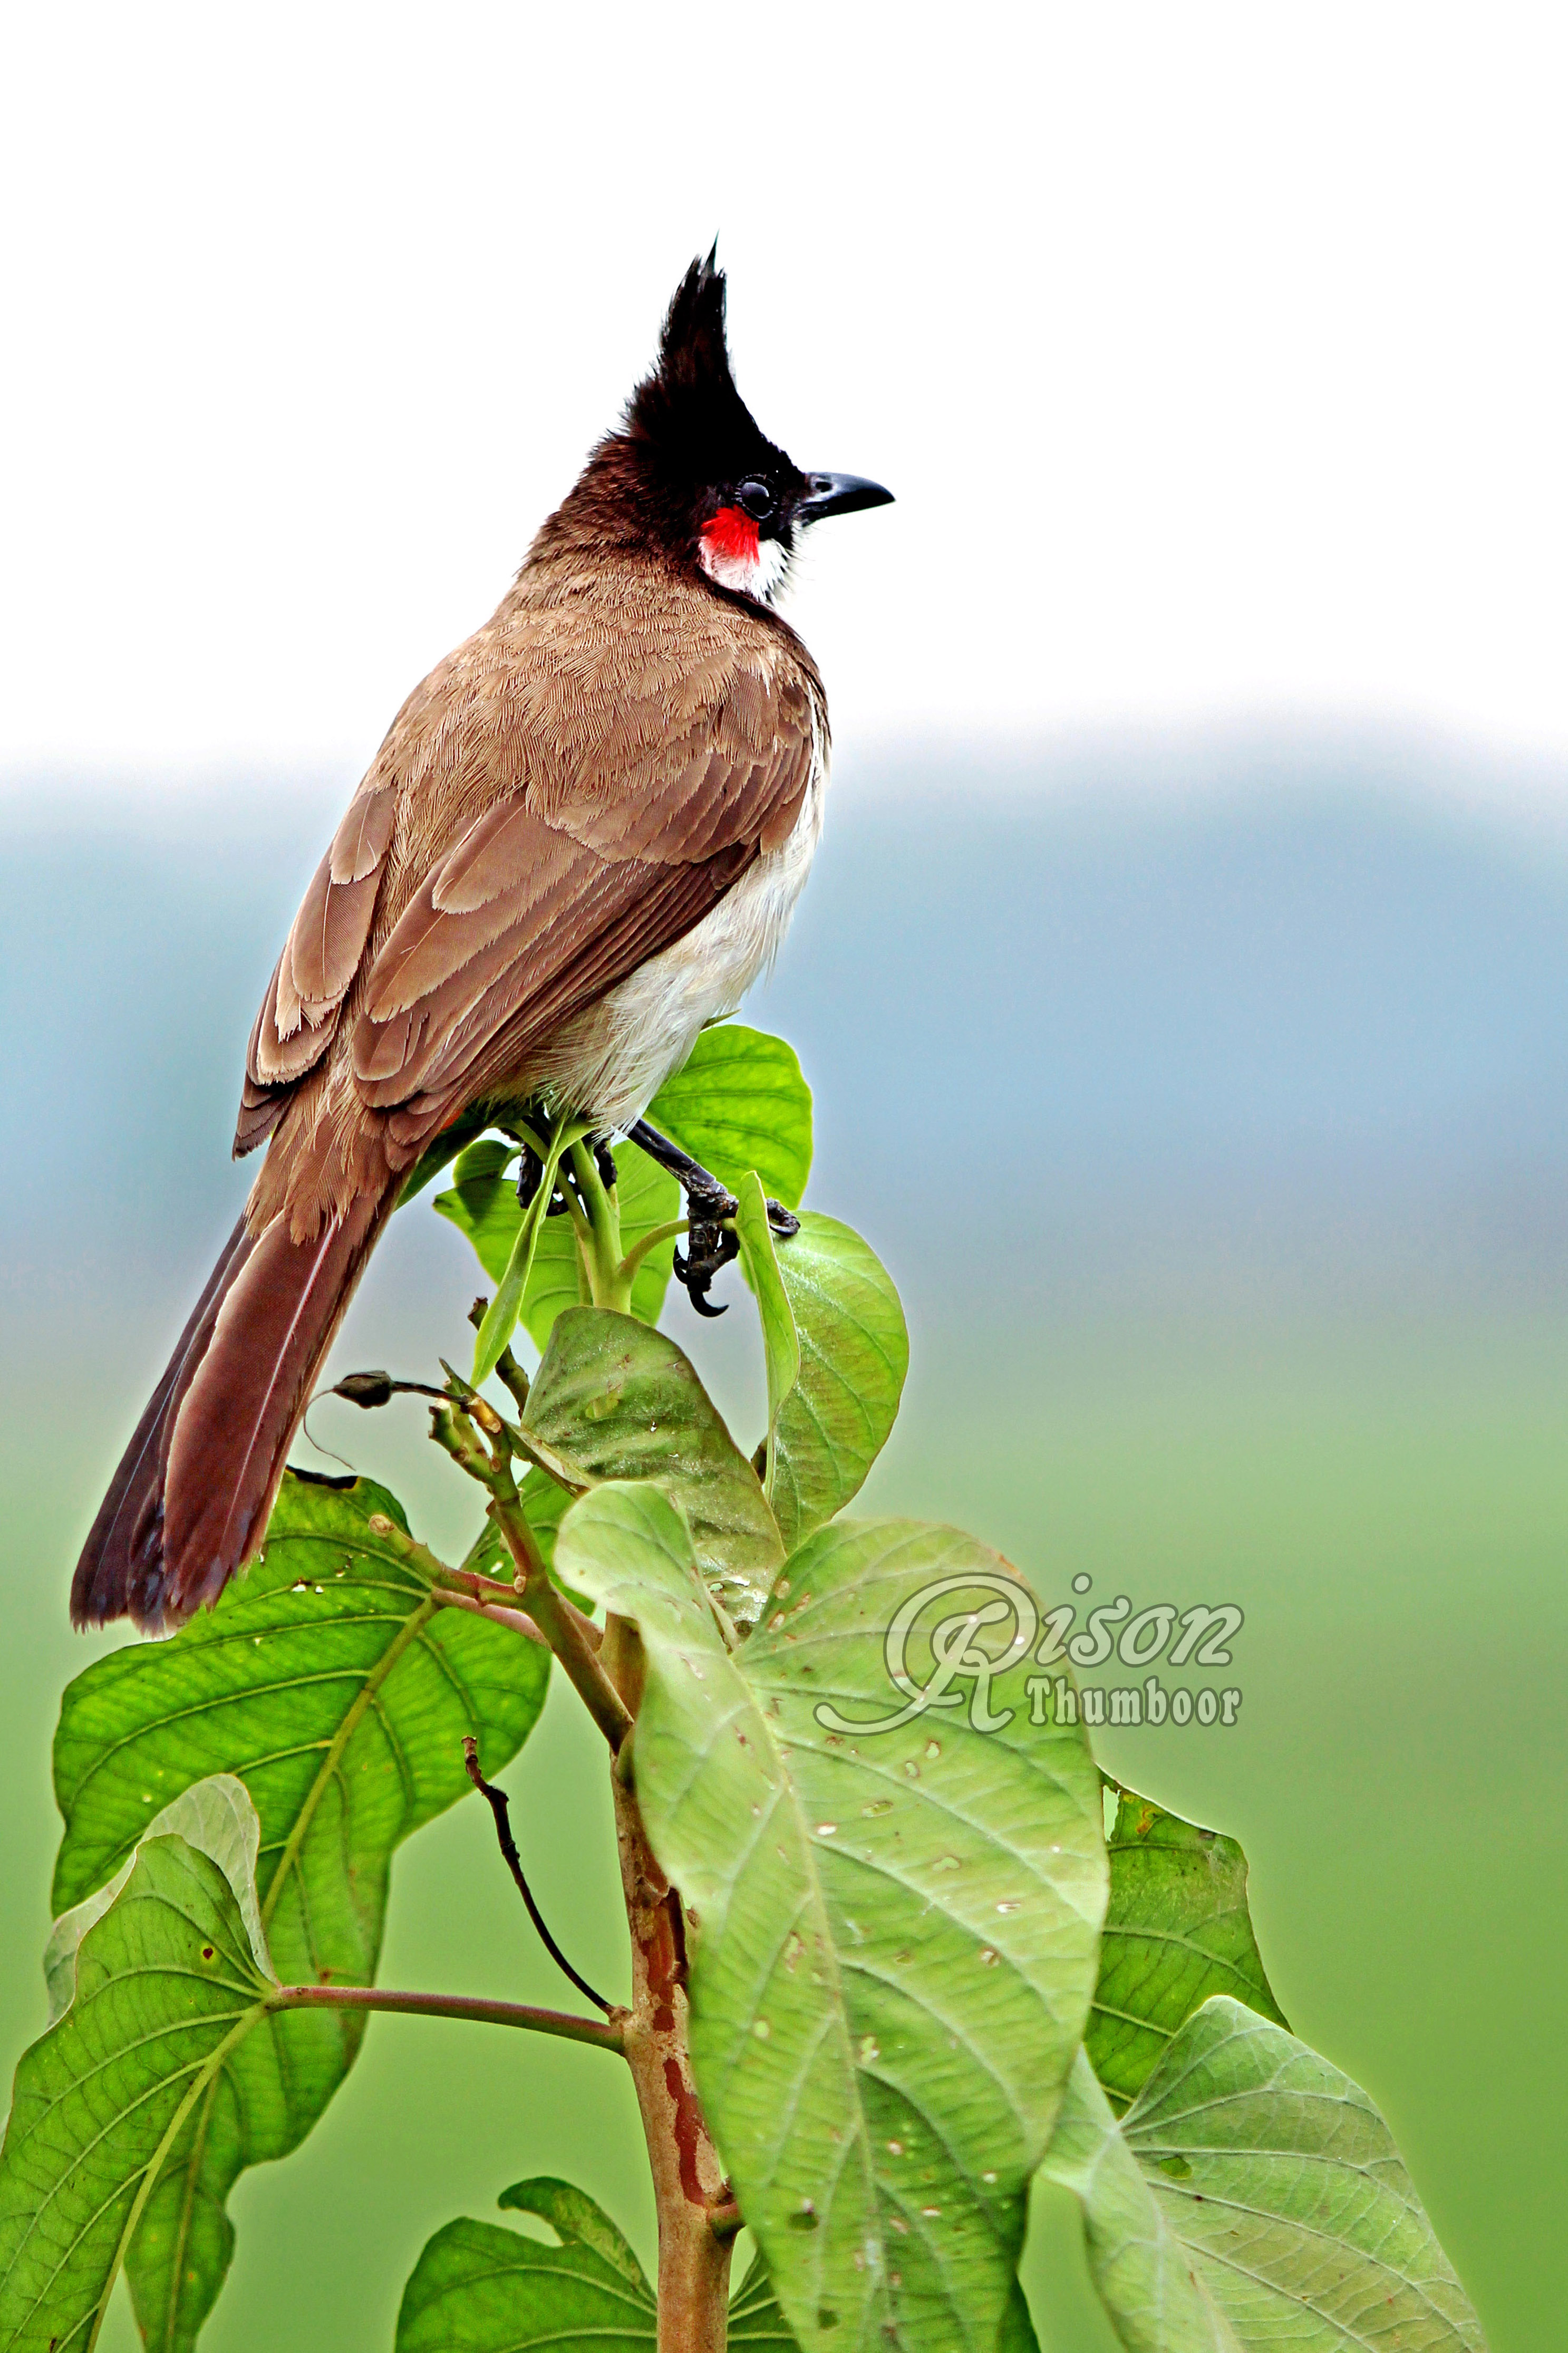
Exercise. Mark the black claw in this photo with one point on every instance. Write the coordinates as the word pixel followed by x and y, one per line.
pixel 697 1280
pixel 605 1161
pixel 529 1175
pixel 782 1221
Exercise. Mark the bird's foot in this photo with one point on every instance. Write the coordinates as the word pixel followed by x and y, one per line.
pixel 708 1204
pixel 710 1243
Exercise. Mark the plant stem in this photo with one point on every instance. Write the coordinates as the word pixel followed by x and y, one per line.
pixel 516 1622
pixel 565 1629
pixel 605 2033
pixel 601 1244
pixel 650 1241
pixel 688 2178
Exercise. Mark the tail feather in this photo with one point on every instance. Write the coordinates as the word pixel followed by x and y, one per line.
pixel 190 1502
pixel 111 1577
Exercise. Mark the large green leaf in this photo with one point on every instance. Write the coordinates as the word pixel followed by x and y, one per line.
pixel 897 1927
pixel 332 1682
pixel 483 1205
pixel 617 1400
pixel 478 2289
pixel 1252 2196
pixel 740 1102
pixel 168 1990
pixel 1177 1929
pixel 757 2322
pixel 1148 2281
pixel 837 1351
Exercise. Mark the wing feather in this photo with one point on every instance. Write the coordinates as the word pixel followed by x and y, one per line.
pixel 625 799
pixel 320 956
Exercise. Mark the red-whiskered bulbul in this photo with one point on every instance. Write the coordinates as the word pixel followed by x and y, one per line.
pixel 582 840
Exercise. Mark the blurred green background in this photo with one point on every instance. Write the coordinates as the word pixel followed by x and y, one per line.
pixel 1209 1103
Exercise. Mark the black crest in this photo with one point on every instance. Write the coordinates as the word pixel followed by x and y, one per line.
pixel 686 421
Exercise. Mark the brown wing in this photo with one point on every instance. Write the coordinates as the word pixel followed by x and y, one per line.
pixel 320 956
pixel 553 895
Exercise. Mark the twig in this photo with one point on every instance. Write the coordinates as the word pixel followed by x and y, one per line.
pixel 603 2032
pixel 726 2221
pixel 564 1629
pixel 516 1622
pixel 500 1806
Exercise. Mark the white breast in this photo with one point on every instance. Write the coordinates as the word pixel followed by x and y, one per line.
pixel 613 1061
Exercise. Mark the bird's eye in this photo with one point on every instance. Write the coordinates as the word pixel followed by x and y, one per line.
pixel 756 498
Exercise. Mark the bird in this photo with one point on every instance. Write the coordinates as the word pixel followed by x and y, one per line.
pixel 581 840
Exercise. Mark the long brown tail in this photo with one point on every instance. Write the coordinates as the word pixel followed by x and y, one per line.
pixel 190 1502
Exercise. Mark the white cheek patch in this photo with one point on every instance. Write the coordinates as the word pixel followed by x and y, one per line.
pixel 761 575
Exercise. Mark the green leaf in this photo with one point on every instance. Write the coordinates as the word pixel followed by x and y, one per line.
pixel 337 1689
pixel 617 1400
pixel 216 1815
pixel 897 1928
pixel 476 2289
pixel 851 1350
pixel 1147 2279
pixel 755 2320
pixel 740 1102
pixel 169 1992
pixel 1177 1929
pixel 577 2220
pixel 1277 2185
pixel 501 1315
pixel 781 1343
pixel 483 1205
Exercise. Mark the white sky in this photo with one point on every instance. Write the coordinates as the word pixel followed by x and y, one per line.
pixel 1216 355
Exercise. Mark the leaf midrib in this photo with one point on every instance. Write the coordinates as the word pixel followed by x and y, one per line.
pixel 785 1795
pixel 354 1717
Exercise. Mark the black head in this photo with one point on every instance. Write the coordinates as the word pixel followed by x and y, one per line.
pixel 714 489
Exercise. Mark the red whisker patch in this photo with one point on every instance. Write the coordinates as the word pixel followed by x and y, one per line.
pixel 732 536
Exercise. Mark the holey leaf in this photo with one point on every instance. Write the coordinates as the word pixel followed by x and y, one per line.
pixel 1177 1930
pixel 478 2289
pixel 337 1688
pixel 483 1205
pixel 169 1992
pixel 1253 2192
pixel 615 1400
pixel 896 1929
pixel 739 1102
pixel 837 1349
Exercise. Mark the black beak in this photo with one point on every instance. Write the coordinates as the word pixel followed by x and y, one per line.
pixel 831 494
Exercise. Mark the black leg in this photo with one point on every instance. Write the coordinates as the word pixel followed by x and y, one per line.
pixel 709 1244
pixel 696 1182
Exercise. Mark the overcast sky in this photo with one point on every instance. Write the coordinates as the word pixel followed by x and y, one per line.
pixel 1216 355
